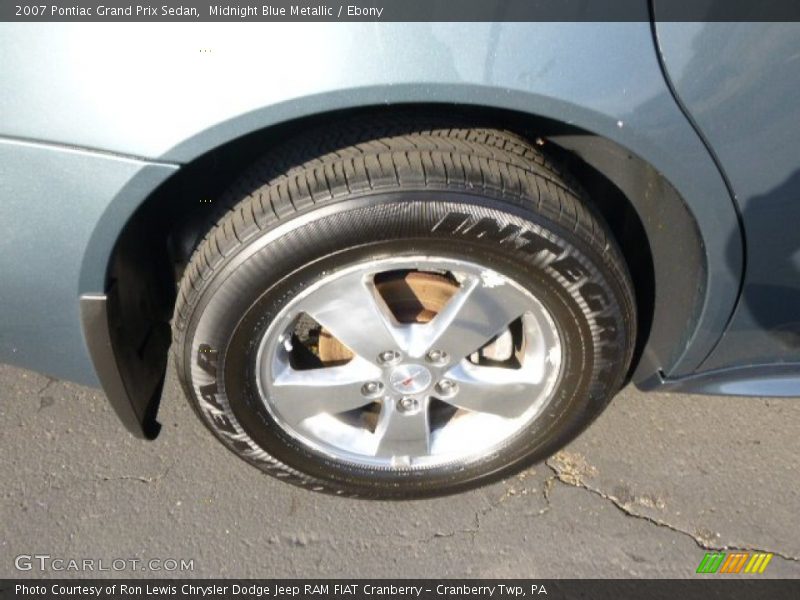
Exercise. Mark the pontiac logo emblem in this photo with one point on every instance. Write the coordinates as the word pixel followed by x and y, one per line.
pixel 410 379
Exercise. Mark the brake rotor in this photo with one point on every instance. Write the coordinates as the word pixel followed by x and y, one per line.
pixel 414 298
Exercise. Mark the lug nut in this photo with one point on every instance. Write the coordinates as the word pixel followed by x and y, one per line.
pixel 407 404
pixel 446 388
pixel 372 389
pixel 437 357
pixel 389 357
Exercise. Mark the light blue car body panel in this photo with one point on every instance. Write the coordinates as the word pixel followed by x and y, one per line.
pixel 51 202
pixel 93 117
pixel 741 84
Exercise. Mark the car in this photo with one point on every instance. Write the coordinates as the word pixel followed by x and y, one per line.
pixel 400 260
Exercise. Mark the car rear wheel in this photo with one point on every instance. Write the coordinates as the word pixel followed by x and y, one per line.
pixel 406 312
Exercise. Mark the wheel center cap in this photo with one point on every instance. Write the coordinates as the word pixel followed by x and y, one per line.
pixel 410 379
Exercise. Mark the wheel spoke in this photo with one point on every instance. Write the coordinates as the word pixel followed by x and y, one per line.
pixel 299 395
pixel 472 317
pixel 401 434
pixel 494 390
pixel 351 309
pixel 407 353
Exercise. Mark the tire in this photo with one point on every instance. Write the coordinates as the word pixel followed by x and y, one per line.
pixel 469 201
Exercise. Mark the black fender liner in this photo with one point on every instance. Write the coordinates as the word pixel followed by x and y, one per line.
pixel 132 384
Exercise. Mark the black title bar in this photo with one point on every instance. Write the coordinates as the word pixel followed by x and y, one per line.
pixel 399 10
pixel 703 587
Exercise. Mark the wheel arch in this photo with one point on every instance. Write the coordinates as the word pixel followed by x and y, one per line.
pixel 151 245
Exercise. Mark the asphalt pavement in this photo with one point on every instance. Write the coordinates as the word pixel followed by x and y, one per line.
pixel 653 485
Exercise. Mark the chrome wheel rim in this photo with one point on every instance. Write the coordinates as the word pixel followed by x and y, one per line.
pixel 410 394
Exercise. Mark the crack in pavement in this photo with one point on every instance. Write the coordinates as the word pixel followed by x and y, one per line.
pixel 140 478
pixel 509 494
pixel 45 401
pixel 46 386
pixel 569 469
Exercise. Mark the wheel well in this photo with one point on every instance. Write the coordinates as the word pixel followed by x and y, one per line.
pixel 157 241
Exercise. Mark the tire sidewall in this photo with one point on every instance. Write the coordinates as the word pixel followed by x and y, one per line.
pixel 577 284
